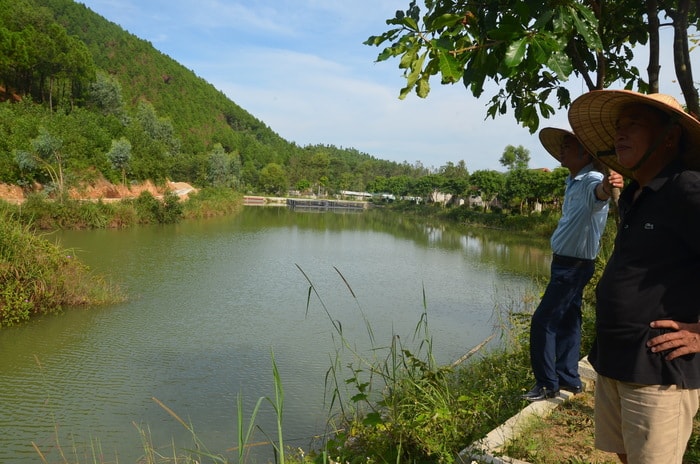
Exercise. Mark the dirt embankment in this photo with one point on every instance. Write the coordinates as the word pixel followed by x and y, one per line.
pixel 103 190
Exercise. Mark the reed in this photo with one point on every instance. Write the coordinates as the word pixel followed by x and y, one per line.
pixel 393 403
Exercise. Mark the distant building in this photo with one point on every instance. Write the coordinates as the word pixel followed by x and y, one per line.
pixel 355 195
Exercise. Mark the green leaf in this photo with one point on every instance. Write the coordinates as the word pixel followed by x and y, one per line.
pixel 416 68
pixel 372 418
pixel 516 53
pixel 405 91
pixel 561 21
pixel 423 88
pixel 446 20
pixel 529 118
pixel 563 97
pixel 379 39
pixel 543 20
pixel 491 111
pixel 587 30
pixel 473 79
pixel 541 48
pixel 410 23
pixel 561 64
pixel 408 59
pixel 450 68
pixel 508 28
pixel 587 13
pixel 546 110
pixel 387 53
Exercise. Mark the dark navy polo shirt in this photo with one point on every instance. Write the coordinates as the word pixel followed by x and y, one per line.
pixel 653 273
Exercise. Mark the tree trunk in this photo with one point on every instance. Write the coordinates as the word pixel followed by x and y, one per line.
pixel 681 56
pixel 51 94
pixel 653 66
pixel 597 8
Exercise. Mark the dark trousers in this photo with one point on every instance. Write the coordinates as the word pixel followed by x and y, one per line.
pixel 555 330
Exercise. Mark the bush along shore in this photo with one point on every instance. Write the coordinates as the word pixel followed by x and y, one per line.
pixel 41 213
pixel 38 277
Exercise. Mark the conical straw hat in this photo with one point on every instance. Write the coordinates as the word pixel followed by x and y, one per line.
pixel 552 138
pixel 593 118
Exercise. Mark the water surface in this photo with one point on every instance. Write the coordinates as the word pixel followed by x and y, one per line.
pixel 212 301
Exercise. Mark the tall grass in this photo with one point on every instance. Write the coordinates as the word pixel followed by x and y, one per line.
pixel 393 403
pixel 38 277
pixel 212 201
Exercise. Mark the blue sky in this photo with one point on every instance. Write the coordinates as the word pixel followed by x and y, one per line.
pixel 300 66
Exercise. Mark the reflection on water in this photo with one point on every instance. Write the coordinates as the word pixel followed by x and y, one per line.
pixel 211 302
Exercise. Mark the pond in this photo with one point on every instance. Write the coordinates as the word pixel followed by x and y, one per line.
pixel 213 302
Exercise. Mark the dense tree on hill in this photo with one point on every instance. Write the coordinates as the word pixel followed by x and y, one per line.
pixel 224 168
pixel 40 59
pixel 172 130
pixel 46 156
pixel 273 179
pixel 120 156
pixel 105 95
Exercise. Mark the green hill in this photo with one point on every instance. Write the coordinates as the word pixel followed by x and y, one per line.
pixel 81 98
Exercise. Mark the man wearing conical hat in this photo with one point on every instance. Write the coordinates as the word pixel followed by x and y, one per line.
pixel 555 330
pixel 647 307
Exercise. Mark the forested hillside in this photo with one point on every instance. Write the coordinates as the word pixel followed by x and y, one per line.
pixel 83 98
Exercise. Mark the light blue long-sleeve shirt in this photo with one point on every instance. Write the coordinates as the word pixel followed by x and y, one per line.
pixel 583 217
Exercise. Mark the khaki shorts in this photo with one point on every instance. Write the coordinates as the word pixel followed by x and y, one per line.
pixel 651 424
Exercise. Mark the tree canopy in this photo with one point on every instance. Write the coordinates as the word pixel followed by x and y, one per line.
pixel 515 157
pixel 529 49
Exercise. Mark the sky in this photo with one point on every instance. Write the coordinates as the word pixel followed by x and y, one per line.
pixel 301 67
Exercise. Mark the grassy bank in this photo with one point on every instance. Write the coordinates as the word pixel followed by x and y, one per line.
pixel 37 277
pixel 39 213
pixel 535 224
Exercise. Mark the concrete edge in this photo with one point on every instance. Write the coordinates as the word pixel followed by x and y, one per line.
pixel 493 443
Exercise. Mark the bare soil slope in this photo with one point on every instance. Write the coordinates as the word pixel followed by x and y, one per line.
pixel 103 190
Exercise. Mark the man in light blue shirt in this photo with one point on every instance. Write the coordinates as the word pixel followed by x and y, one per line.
pixel 555 330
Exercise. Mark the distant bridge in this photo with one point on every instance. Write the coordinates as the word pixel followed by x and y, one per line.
pixel 297 203
pixel 305 203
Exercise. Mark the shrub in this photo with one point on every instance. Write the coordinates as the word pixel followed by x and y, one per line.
pixel 212 201
pixel 38 277
pixel 151 210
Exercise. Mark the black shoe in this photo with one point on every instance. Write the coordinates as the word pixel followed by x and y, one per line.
pixel 540 393
pixel 575 389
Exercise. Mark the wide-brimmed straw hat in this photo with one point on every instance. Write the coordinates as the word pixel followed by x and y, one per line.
pixel 552 139
pixel 593 117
